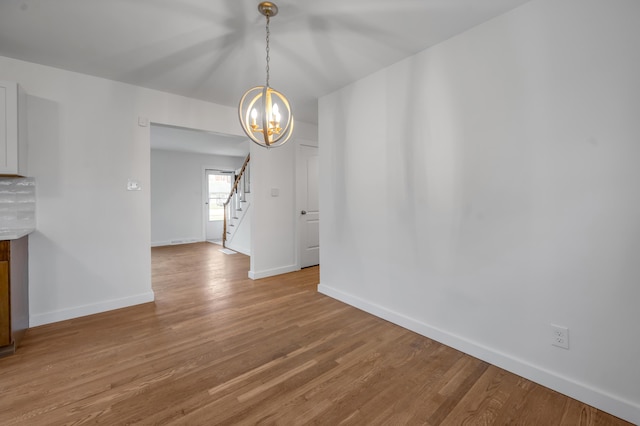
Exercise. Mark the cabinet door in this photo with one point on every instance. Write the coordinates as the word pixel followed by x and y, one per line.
pixel 8 128
pixel 5 307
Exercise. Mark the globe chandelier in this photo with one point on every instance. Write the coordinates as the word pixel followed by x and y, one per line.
pixel 265 113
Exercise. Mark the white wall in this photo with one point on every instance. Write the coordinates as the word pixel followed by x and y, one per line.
pixel 505 175
pixel 273 169
pixel 177 203
pixel 91 250
pixel 275 235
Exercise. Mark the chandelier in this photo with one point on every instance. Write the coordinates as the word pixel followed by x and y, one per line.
pixel 265 113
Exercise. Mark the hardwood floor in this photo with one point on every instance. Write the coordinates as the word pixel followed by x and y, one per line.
pixel 218 348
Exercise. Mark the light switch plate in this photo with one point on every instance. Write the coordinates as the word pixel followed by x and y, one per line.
pixel 133 185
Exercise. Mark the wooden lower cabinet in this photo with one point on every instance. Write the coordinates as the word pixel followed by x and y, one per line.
pixel 14 293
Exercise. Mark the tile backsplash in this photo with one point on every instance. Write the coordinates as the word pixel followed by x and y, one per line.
pixel 17 204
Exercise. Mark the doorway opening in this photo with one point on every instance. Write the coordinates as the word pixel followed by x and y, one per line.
pixel 180 158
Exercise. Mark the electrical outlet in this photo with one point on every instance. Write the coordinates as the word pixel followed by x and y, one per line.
pixel 560 336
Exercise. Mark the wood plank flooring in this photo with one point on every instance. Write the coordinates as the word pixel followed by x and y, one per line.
pixel 216 348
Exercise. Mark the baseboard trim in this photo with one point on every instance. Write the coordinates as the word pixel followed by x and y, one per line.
pixel 176 242
pixel 604 401
pixel 256 275
pixel 242 250
pixel 93 308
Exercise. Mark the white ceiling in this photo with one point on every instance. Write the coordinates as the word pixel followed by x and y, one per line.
pixel 215 49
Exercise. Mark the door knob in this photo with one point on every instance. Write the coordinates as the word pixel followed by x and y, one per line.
pixel 303 212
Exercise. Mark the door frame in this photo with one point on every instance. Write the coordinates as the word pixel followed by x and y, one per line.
pixel 205 196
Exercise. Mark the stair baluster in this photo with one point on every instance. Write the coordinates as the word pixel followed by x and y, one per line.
pixel 232 204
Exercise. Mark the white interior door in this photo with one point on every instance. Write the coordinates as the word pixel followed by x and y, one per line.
pixel 218 185
pixel 309 209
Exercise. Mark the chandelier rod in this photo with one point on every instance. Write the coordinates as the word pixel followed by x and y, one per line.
pixel 268 58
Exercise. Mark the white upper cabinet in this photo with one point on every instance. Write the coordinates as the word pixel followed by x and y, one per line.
pixel 13 130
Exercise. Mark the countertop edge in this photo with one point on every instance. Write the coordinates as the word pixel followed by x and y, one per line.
pixel 14 234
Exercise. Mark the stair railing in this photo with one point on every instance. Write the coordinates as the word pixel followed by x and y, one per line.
pixel 226 203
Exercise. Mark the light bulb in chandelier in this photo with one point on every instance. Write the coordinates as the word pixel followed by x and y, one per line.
pixel 260 112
